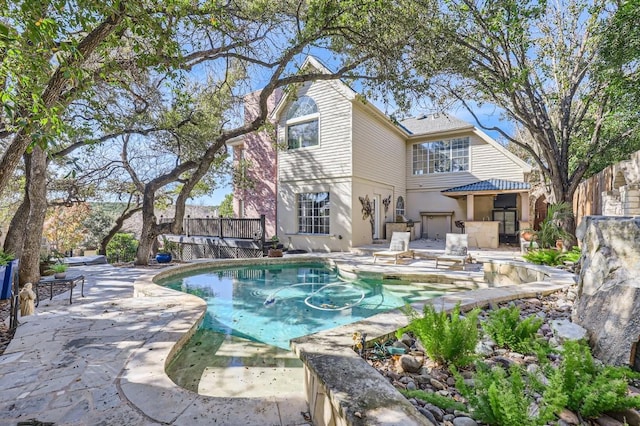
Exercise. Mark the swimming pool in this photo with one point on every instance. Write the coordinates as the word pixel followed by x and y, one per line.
pixel 273 304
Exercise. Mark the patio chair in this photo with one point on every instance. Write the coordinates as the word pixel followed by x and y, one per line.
pixel 455 249
pixel 398 247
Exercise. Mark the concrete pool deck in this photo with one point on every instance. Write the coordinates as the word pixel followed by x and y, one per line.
pixel 101 360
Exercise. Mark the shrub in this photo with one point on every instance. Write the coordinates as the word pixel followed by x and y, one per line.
pixel 447 339
pixel 592 389
pixel 501 398
pixel 5 258
pixel 122 248
pixel 436 399
pixel 549 257
pixel 507 330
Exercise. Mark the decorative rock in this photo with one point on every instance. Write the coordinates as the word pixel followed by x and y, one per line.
pixel 503 361
pixel 411 386
pixel 632 417
pixel 428 415
pixel 451 381
pixel 484 349
pixel 464 421
pixel 566 330
pixel 501 351
pixel 437 412
pixel 437 385
pixel 406 340
pixel 609 297
pixel 534 302
pixel 569 417
pixel 448 417
pixel 410 364
pixel 605 420
pixel 401 345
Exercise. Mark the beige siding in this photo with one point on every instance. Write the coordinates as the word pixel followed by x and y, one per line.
pixel 339 238
pixel 485 162
pixel 331 158
pixel 378 151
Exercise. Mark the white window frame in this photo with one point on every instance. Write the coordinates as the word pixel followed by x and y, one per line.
pixel 424 161
pixel 307 216
pixel 304 119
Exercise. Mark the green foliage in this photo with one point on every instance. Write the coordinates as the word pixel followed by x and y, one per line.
pixel 58 268
pixel 507 330
pixel 592 389
pixel 549 257
pixel 5 257
pixel 168 246
pixel 572 255
pixel 97 225
pixel 501 398
pixel 550 229
pixel 447 339
pixel 122 248
pixel 438 400
pixel 226 207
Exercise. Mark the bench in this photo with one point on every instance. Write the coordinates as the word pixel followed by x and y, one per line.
pixel 71 281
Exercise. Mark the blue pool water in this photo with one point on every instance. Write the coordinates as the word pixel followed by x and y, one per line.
pixel 275 303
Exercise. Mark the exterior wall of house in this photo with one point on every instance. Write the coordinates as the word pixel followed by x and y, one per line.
pixel 423 191
pixel 326 167
pixel 340 216
pixel 331 158
pixel 259 151
pixel 485 162
pixel 378 168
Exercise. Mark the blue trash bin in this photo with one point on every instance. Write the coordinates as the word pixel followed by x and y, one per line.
pixel 9 270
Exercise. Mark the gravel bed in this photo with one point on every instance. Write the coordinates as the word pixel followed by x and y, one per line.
pixel 416 371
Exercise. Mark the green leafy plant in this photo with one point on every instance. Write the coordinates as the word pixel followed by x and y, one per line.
pixel 572 255
pixel 58 268
pixel 168 246
pixel 438 400
pixel 5 258
pixel 549 257
pixel 550 229
pixel 447 338
pixel 122 248
pixel 508 331
pixel 592 389
pixel 503 398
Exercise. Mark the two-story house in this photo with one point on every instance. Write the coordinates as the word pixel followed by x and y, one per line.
pixel 340 173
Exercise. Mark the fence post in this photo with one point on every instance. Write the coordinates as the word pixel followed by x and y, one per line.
pixel 220 227
pixel 262 232
pixel 186 225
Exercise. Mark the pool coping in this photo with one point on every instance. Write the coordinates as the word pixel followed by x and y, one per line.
pixel 359 395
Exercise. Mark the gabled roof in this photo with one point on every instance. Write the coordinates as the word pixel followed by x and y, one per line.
pixel 433 123
pixel 490 185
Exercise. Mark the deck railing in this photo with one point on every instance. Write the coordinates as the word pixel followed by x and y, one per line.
pixel 223 227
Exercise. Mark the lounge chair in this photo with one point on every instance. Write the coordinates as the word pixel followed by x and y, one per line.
pixel 455 249
pixel 398 247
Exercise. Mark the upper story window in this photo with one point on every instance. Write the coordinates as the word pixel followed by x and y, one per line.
pixel 302 123
pixel 441 156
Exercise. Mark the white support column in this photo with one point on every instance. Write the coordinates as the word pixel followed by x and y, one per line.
pixel 470 207
pixel 524 206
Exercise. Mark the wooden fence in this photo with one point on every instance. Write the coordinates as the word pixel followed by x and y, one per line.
pixel 223 227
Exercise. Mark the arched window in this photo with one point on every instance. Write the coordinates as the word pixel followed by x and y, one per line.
pixel 302 123
pixel 400 206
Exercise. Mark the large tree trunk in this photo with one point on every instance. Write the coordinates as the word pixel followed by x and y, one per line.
pixel 37 188
pixel 14 241
pixel 149 232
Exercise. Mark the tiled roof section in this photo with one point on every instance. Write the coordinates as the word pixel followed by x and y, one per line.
pixel 491 185
pixel 433 123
